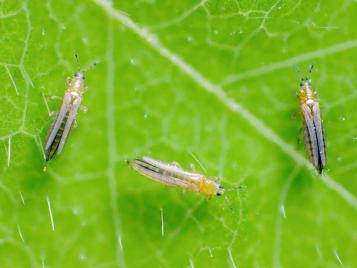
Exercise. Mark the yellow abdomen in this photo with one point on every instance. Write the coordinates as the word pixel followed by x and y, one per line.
pixel 206 187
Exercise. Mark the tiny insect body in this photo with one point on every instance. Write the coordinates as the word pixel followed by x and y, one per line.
pixel 173 175
pixel 65 118
pixel 313 130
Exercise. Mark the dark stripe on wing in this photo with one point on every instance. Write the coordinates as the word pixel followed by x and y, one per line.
pixel 68 126
pixel 52 147
pixel 145 165
pixel 319 136
pixel 311 135
pixel 59 120
pixel 157 174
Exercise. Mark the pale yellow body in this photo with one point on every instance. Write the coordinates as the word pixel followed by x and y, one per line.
pixel 76 85
pixel 173 175
pixel 58 132
pixel 208 187
pixel 307 95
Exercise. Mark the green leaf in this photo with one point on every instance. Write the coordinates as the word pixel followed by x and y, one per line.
pixel 206 82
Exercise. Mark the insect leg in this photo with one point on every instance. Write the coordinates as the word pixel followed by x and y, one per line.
pixel 53 113
pixel 68 80
pixel 193 167
pixel 55 98
pixel 75 123
pixel 84 108
pixel 300 134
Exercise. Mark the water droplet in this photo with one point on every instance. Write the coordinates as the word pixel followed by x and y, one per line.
pixel 75 211
pixel 133 61
pixel 152 38
pixel 146 115
pixel 189 38
pixel 82 255
pixel 85 40
pixel 343 118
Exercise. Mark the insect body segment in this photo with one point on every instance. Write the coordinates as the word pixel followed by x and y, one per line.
pixel 61 126
pixel 173 175
pixel 313 129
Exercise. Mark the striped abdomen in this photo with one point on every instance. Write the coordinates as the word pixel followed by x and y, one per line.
pixel 314 136
pixel 50 152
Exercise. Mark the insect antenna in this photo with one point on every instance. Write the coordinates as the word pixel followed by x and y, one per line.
pixel 310 71
pixel 77 61
pixel 229 204
pixel 90 66
pixel 297 70
pixel 238 187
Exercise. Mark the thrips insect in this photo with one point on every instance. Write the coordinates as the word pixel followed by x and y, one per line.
pixel 174 175
pixel 313 130
pixel 64 119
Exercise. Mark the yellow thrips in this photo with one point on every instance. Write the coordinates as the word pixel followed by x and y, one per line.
pixel 173 175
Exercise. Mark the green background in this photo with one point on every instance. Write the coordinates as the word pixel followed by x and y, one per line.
pixel 178 81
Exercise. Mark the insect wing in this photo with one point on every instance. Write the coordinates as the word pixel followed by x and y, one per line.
pixel 156 173
pixel 50 129
pixel 72 115
pixel 174 170
pixel 310 134
pixel 307 142
pixel 66 105
pixel 161 164
pixel 319 133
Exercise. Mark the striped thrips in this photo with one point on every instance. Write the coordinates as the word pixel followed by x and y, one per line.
pixel 314 137
pixel 65 118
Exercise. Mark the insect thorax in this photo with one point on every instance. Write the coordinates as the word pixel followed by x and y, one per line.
pixel 76 87
pixel 207 187
pixel 307 94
